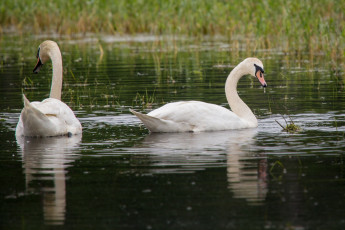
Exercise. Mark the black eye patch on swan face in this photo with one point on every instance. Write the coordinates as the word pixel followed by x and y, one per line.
pixel 38 53
pixel 258 68
pixel 39 62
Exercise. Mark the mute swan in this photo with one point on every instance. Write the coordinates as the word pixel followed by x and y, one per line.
pixel 51 117
pixel 197 116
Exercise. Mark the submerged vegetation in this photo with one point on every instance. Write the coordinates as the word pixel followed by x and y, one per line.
pixel 306 24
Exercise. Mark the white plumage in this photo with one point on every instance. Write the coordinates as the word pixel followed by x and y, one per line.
pixel 189 116
pixel 51 117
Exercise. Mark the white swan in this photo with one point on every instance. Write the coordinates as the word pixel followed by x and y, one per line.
pixel 51 117
pixel 196 116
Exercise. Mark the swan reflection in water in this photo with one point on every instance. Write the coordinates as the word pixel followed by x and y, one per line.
pixel 188 152
pixel 46 159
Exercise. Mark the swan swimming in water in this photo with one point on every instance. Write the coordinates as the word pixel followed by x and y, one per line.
pixel 51 117
pixel 197 116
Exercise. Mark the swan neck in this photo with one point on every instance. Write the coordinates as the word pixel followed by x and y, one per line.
pixel 56 87
pixel 235 102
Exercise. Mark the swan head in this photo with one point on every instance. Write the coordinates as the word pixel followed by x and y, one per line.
pixel 44 53
pixel 256 69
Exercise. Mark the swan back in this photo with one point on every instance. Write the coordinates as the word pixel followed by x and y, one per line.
pixel 51 117
pixel 191 116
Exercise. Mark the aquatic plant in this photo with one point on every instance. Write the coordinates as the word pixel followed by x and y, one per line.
pixel 145 100
pixel 290 127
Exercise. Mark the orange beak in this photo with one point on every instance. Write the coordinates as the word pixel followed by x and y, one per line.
pixel 261 78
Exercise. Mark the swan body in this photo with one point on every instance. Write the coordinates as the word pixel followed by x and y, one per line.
pixel 197 116
pixel 51 117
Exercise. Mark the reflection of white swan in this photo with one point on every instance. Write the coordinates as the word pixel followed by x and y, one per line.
pixel 51 117
pixel 188 152
pixel 247 178
pixel 196 116
pixel 201 142
pixel 47 159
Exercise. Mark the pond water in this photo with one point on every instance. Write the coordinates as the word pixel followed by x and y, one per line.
pixel 118 175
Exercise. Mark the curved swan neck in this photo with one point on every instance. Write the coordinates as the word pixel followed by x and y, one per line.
pixel 235 102
pixel 56 87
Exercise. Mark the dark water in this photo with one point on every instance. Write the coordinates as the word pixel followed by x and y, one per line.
pixel 118 176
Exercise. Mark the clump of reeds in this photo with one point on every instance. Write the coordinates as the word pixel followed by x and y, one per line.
pixel 289 127
pixel 145 100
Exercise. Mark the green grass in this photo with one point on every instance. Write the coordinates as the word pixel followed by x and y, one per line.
pixel 295 24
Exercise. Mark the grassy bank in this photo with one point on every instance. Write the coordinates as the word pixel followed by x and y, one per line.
pixel 315 25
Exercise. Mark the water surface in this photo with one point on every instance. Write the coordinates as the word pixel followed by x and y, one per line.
pixel 118 175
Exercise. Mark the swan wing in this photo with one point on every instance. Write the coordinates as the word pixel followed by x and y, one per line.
pixel 51 117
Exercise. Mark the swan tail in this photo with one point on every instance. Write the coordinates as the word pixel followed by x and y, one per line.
pixel 155 124
pixel 150 122
pixel 35 122
pixel 30 110
pixel 26 101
